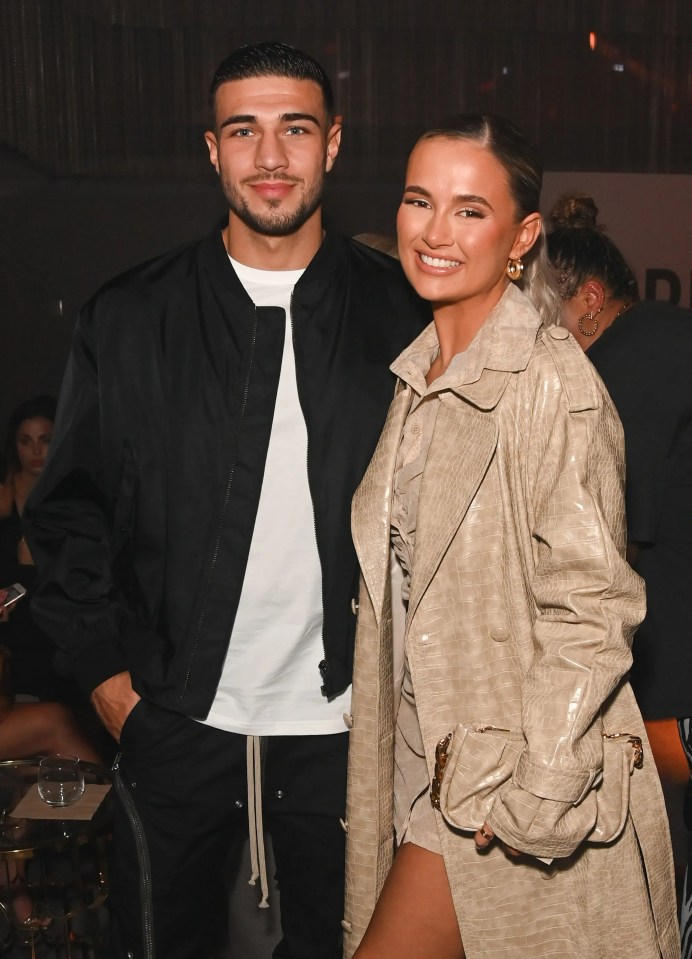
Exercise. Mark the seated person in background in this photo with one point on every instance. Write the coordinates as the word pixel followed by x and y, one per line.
pixel 6 491
pixel 642 350
pixel 26 447
pixel 32 729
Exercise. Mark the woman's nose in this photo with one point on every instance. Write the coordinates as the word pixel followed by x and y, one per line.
pixel 437 232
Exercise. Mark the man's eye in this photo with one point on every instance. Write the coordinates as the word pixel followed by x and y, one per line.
pixel 242 132
pixel 293 131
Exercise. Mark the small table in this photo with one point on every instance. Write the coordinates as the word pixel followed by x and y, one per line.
pixel 54 871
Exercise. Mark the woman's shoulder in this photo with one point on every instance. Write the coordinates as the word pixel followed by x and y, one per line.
pixel 558 363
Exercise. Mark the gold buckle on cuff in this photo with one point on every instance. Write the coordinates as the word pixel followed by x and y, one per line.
pixel 440 763
pixel 635 742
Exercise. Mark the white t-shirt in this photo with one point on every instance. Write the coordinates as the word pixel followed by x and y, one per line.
pixel 270 683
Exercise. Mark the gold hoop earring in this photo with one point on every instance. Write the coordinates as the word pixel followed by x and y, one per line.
pixel 515 268
pixel 592 317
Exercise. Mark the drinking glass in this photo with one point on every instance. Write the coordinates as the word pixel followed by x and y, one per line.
pixel 60 780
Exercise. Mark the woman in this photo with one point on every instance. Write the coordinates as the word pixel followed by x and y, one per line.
pixel 498 477
pixel 643 351
pixel 26 447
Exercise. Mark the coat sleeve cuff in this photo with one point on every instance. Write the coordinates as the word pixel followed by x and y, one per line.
pixel 126 651
pixel 547 782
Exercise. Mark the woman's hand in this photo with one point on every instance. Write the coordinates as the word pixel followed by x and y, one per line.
pixel 485 836
pixel 4 613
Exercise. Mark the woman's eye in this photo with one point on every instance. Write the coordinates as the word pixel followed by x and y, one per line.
pixel 416 202
pixel 468 212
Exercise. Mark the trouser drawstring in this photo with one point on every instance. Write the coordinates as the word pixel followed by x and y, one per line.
pixel 258 859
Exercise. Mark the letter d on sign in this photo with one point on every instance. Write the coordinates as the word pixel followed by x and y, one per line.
pixel 667 276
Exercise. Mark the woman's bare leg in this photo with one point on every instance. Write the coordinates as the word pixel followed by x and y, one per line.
pixel 414 917
pixel 31 728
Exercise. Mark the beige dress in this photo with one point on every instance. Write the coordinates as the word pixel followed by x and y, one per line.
pixel 415 820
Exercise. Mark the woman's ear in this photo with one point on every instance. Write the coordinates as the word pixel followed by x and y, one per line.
pixel 527 233
pixel 593 295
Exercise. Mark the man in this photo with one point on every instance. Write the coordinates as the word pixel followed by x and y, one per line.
pixel 219 409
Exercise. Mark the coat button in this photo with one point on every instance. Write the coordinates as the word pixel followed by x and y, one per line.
pixel 499 633
pixel 558 332
pixel 344 825
pixel 323 667
pixel 348 720
pixel 354 607
pixel 346 925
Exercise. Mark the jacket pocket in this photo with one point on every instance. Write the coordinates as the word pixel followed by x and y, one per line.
pixel 479 759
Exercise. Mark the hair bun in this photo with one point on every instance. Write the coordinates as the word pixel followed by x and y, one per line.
pixel 578 211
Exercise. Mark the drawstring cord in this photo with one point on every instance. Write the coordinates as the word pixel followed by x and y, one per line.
pixel 258 859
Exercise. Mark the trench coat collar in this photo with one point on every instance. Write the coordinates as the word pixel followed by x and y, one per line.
pixel 463 444
pixel 502 345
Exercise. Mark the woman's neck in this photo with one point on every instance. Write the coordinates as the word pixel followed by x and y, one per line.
pixel 23 484
pixel 456 325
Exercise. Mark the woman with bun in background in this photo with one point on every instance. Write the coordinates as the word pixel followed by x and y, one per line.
pixel 643 352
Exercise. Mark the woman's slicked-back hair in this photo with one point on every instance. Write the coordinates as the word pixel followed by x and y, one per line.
pixel 579 250
pixel 523 165
pixel 39 406
pixel 272 60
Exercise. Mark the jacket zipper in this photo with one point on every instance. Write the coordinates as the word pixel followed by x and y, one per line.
pixel 307 470
pixel 229 484
pixel 142 860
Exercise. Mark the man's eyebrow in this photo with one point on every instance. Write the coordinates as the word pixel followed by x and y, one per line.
pixel 292 117
pixel 458 197
pixel 284 118
pixel 239 118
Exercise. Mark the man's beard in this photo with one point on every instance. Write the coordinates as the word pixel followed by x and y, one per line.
pixel 273 222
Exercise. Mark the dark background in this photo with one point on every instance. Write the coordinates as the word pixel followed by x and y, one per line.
pixel 103 107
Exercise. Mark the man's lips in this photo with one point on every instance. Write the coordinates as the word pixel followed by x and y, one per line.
pixel 273 189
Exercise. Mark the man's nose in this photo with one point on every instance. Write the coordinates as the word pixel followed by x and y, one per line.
pixel 271 153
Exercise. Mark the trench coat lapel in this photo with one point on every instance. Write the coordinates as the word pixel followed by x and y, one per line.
pixel 371 510
pixel 462 447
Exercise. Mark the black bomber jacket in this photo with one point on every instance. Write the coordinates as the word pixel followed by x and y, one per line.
pixel 141 521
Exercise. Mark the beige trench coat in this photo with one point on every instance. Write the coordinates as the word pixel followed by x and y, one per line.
pixel 518 636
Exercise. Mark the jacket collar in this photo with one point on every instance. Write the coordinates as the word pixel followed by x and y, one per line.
pixel 503 345
pixel 318 275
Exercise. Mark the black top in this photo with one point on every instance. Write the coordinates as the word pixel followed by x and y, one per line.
pixel 32 651
pixel 645 360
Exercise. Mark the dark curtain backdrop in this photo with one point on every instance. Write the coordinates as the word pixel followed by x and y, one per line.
pixel 118 87
pixel 103 106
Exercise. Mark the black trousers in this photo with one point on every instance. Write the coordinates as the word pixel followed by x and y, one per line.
pixel 183 808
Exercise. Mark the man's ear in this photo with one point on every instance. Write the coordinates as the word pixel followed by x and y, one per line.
pixel 527 233
pixel 333 143
pixel 213 147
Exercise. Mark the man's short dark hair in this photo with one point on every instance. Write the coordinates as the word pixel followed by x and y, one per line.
pixel 272 60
